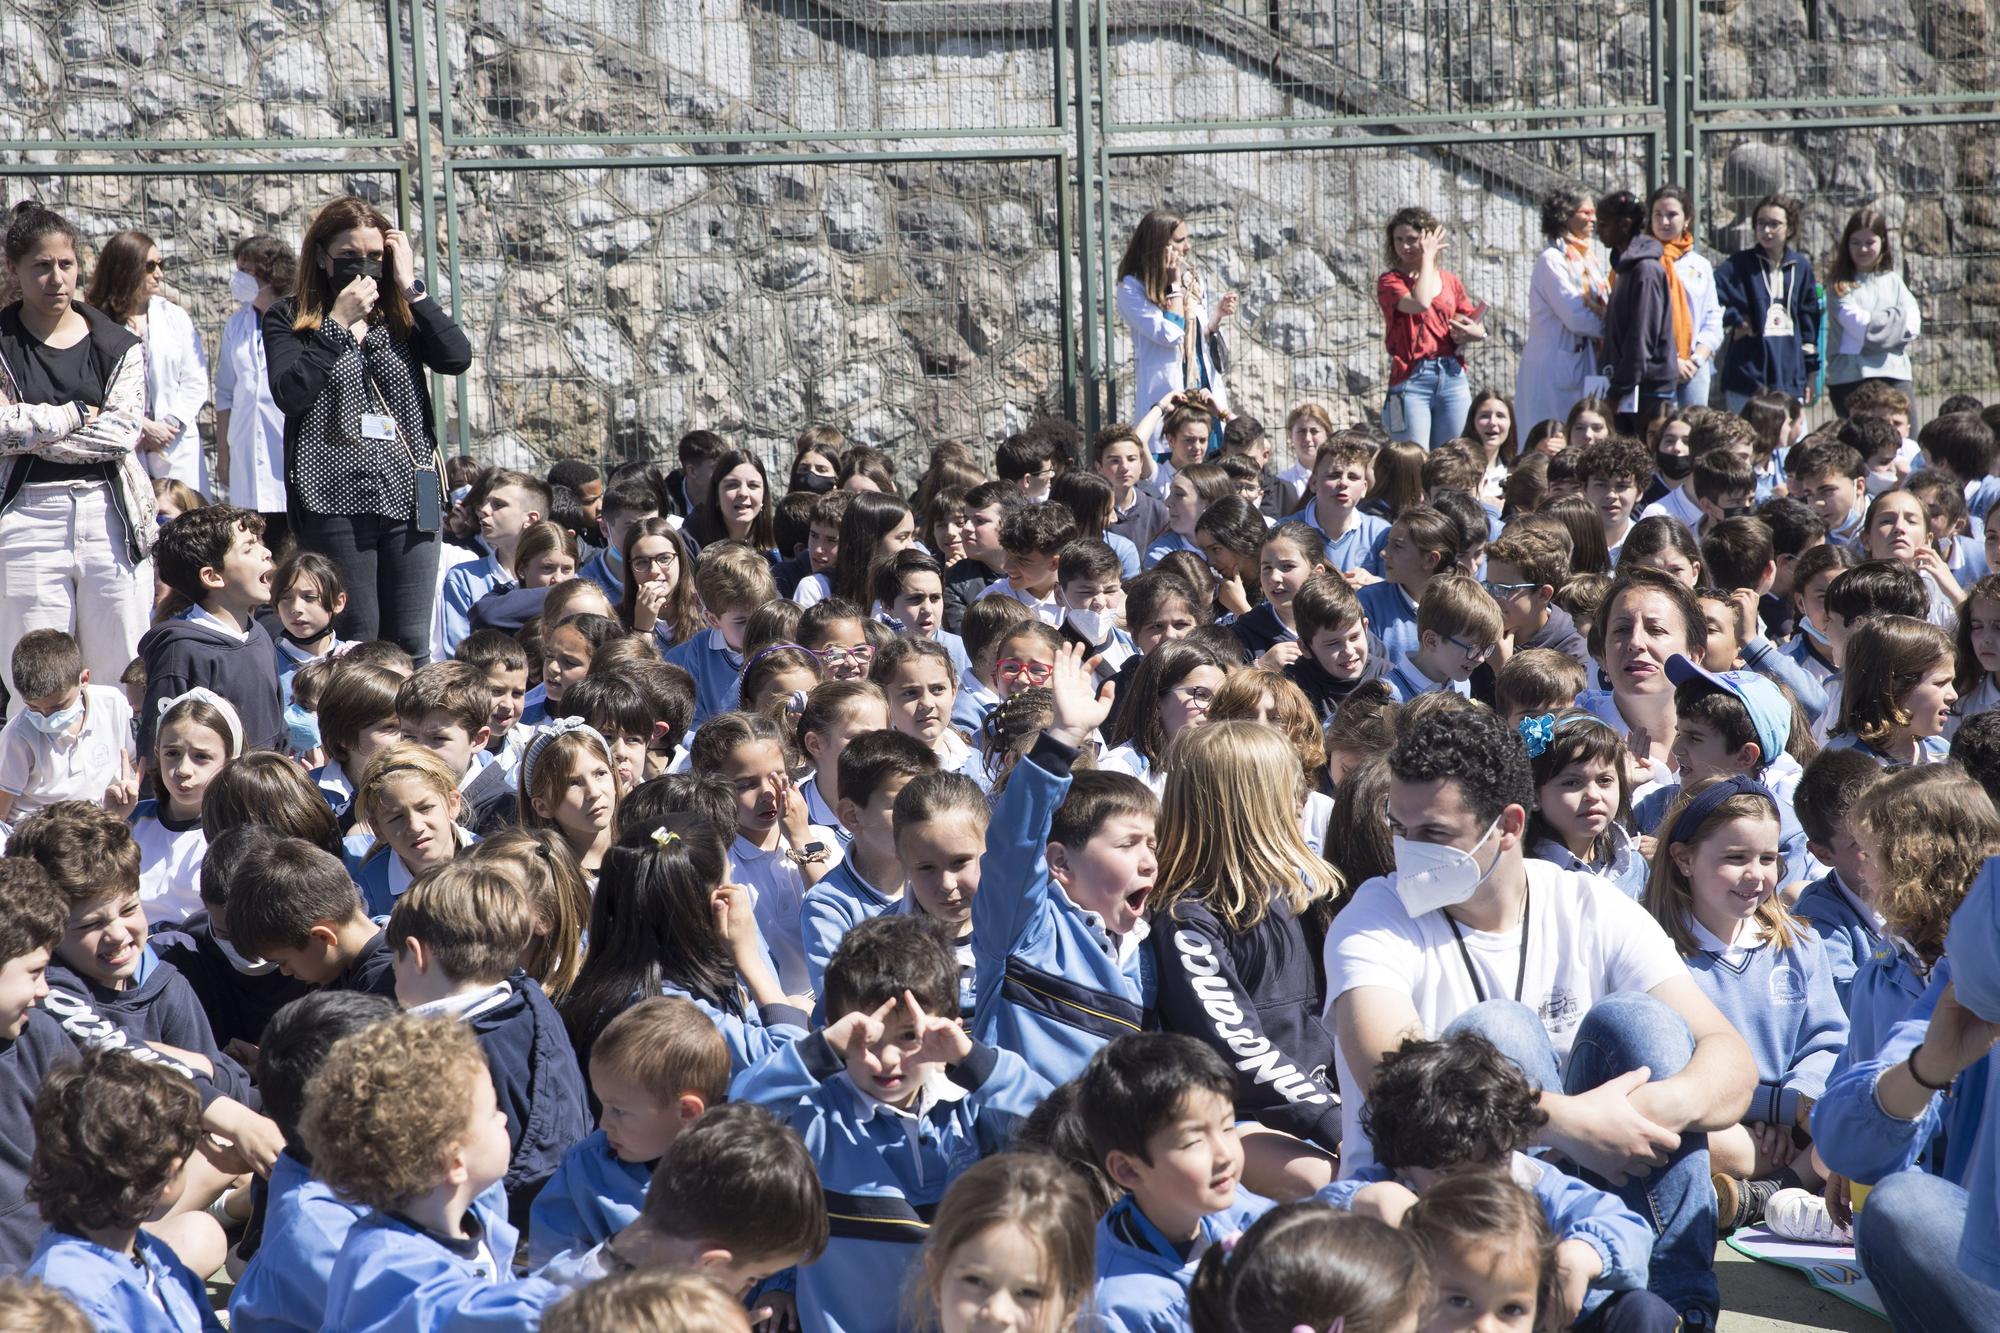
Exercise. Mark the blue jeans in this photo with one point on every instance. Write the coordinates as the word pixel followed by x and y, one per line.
pixel 1434 401
pixel 1907 1234
pixel 1621 1033
pixel 1694 393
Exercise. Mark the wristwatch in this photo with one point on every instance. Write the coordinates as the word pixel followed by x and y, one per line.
pixel 416 291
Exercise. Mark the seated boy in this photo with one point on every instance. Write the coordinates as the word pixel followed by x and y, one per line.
pixel 32 1041
pixel 811 570
pixel 500 659
pixel 1724 487
pixel 1343 471
pixel 1727 723
pixel 357 717
pixel 735 1196
pixel 1458 623
pixel 1613 471
pixel 108 987
pixel 874 768
pixel 113 1137
pixel 511 503
pixel 908 590
pixel 1057 925
pixel 894 1100
pixel 1091 592
pixel 1794 530
pixel 733 580
pixel 987 621
pixel 655 1070
pixel 216 559
pixel 67 740
pixel 615 705
pixel 1027 459
pixel 1456 1102
pixel 1185 433
pixel 1833 480
pixel 402 1119
pixel 1032 537
pixel 986 507
pixel 1837 904
pixel 1963 446
pixel 296 907
pixel 1523 570
pixel 1537 681
pixel 458 935
pixel 624 504
pixel 1851 598
pixel 1340 651
pixel 1160 1110
pixel 283 1288
pixel 1119 456
pixel 447 707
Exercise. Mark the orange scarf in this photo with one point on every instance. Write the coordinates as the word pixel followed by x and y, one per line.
pixel 1677 297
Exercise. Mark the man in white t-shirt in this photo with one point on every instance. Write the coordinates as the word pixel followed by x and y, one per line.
pixel 1563 972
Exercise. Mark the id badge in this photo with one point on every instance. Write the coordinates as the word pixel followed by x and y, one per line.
pixel 378 426
pixel 1778 323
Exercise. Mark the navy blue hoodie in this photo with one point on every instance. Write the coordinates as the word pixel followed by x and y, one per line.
pixel 1638 347
pixel 1328 693
pixel 238 1004
pixel 161 1007
pixel 24 1062
pixel 181 653
pixel 539 1082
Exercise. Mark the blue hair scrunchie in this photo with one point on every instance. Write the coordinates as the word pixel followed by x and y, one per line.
pixel 1696 812
pixel 1536 733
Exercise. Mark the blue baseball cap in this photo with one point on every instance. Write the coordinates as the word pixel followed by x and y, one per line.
pixel 1770 712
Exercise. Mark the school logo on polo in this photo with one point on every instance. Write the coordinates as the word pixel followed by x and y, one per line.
pixel 1257 1056
pixel 1788 987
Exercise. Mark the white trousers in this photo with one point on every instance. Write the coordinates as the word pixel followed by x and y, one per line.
pixel 65 564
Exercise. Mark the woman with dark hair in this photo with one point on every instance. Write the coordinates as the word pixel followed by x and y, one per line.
pixel 1566 300
pixel 1427 320
pixel 1875 318
pixel 126 286
pixel 76 506
pixel 737 505
pixel 1638 353
pixel 1770 309
pixel 347 357
pixel 1691 303
pixel 250 430
pixel 1174 343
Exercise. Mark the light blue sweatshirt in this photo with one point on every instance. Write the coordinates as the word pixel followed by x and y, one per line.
pixel 1782 1002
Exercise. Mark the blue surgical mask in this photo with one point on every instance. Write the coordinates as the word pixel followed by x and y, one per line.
pixel 301 728
pixel 54 724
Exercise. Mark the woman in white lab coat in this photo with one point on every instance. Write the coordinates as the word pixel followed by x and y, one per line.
pixel 1565 312
pixel 126 286
pixel 1173 331
pixel 249 428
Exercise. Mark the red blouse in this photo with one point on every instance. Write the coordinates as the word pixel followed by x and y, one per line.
pixel 1413 338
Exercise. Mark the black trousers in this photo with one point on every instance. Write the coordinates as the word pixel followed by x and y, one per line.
pixel 390 567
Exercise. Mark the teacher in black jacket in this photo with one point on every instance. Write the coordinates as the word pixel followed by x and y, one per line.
pixel 347 357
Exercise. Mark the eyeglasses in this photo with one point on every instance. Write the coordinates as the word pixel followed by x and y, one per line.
pixel 1199 695
pixel 155 265
pixel 1498 590
pixel 863 653
pixel 665 561
pixel 1472 651
pixel 1035 673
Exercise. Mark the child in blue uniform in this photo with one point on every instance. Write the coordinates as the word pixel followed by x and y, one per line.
pixel 1582 798
pixel 1713 891
pixel 294 906
pixel 31 1041
pixel 402 1118
pixel 409 798
pixel 1837 905
pixel 893 1100
pixel 283 1289
pixel 1012 1237
pixel 733 581
pixel 1420 545
pixel 112 1141
pixel 1438 1107
pixel 873 770
pixel 654 1069
pixel 197 735
pixel 1457 626
pixel 459 935
pixel 941 821
pixel 1160 1110
pixel 1058 924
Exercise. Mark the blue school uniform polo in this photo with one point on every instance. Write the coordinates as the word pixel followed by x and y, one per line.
pixel 1392 616
pixel 715 667
pixel 392 1276
pixel 1143 1278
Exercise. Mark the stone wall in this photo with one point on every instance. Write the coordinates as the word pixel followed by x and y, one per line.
pixel 616 302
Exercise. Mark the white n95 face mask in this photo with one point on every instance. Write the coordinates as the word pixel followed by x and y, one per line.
pixel 1430 876
pixel 1092 625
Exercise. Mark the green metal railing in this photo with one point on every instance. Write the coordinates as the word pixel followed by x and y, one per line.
pixel 906 215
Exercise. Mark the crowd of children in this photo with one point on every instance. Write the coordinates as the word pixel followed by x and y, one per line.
pixel 1366 887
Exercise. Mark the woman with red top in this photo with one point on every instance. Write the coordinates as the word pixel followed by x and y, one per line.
pixel 1429 318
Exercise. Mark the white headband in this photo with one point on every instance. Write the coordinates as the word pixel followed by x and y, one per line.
pixel 220 705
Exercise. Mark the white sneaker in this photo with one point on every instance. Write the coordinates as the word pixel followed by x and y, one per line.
pixel 1797 1214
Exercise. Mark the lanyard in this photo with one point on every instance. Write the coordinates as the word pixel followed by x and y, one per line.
pixel 1520 974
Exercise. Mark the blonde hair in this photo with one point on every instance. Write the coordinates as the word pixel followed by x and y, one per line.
pixel 1309 411
pixel 1455 605
pixel 27 1306
pixel 650 1300
pixel 540 858
pixel 1243 693
pixel 1932 828
pixel 665 1043
pixel 1042 1196
pixel 402 759
pixel 475 919
pixel 1668 892
pixel 1235 866
pixel 389 1105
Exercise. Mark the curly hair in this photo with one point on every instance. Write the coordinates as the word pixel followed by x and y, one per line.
pixel 1929 830
pixel 26 1306
pixel 1450 1102
pixel 111 1134
pixel 1469 746
pixel 389 1105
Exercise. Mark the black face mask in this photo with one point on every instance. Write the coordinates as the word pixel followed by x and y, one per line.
pixel 1674 467
pixel 813 483
pixel 347 270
